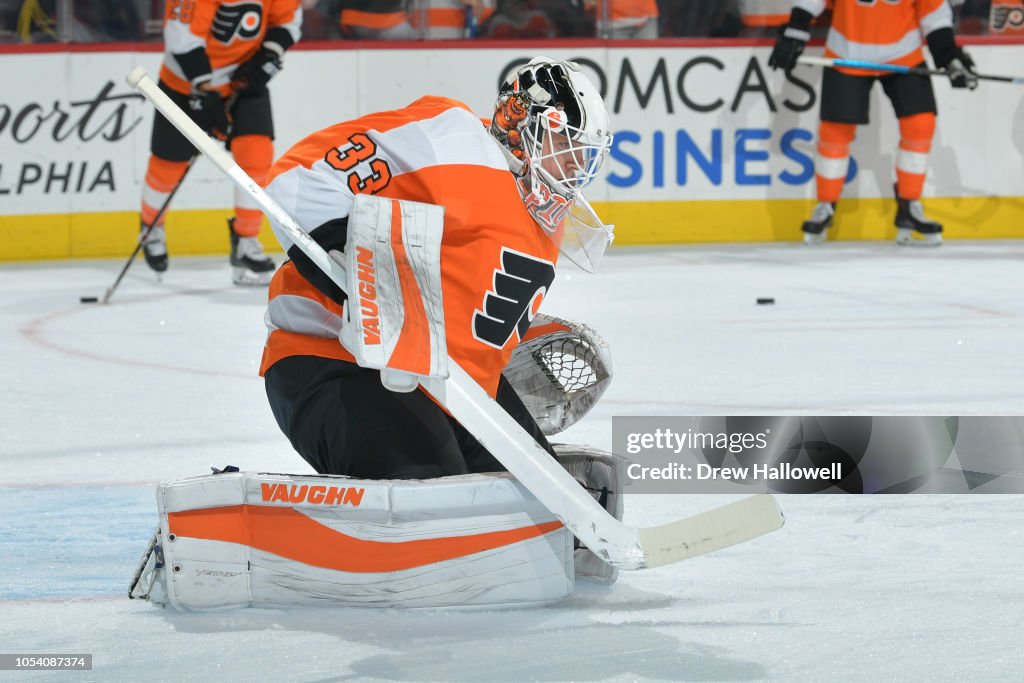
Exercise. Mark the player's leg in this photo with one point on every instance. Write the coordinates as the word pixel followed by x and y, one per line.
pixel 913 100
pixel 252 134
pixel 478 458
pixel 170 152
pixel 341 420
pixel 844 106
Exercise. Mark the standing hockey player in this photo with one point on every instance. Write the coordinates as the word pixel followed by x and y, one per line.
pixel 214 48
pixel 511 193
pixel 889 32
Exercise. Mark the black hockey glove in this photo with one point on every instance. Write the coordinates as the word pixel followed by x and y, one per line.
pixel 792 38
pixel 951 57
pixel 253 75
pixel 208 111
pixel 961 71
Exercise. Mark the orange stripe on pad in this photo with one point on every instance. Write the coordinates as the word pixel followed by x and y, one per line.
pixel 414 339
pixel 287 533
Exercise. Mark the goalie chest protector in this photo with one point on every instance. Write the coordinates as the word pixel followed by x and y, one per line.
pixel 245 539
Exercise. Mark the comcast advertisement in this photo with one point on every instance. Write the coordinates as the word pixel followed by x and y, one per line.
pixel 691 125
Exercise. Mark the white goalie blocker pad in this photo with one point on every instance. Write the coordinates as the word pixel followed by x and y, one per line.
pixel 395 314
pixel 244 539
pixel 560 370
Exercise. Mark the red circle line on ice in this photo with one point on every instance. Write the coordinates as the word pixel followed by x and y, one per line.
pixel 34 331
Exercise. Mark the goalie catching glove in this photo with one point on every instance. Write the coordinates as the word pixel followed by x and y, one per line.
pixel 559 370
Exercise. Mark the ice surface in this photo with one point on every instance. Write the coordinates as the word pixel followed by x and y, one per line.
pixel 99 403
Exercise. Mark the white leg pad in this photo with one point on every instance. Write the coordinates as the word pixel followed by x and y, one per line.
pixel 245 539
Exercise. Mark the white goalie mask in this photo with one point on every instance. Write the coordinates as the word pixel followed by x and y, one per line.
pixel 553 126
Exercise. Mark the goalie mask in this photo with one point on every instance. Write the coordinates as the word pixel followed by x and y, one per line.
pixel 553 126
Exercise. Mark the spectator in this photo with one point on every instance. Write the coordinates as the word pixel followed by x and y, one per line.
pixel 703 19
pixel 628 19
pixel 319 20
pixel 570 17
pixel 761 18
pixel 515 19
pixel 376 20
pixel 451 19
pixel 36 21
pixel 109 20
pixel 9 10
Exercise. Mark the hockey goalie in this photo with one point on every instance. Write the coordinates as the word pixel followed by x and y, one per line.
pixel 446 231
pixel 473 540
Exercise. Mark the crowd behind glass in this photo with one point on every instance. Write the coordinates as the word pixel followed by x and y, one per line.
pixel 81 21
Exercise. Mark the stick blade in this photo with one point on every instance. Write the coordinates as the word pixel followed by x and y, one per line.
pixel 710 531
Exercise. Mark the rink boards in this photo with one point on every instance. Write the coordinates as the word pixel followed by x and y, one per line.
pixel 711 145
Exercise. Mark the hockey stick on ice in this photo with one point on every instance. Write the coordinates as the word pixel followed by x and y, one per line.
pixel 145 233
pixel 896 68
pixel 618 544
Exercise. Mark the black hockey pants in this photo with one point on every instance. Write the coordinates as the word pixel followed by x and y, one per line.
pixel 342 420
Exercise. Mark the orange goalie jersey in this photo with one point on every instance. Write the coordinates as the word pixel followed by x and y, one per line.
pixel 496 262
pixel 215 36
pixel 885 31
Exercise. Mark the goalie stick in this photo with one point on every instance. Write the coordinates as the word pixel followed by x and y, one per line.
pixel 620 545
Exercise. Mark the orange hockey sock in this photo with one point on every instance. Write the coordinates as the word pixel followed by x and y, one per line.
pixel 161 178
pixel 916 133
pixel 255 154
pixel 833 160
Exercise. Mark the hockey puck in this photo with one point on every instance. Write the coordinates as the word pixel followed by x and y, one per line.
pixel 89 299
pixel 765 300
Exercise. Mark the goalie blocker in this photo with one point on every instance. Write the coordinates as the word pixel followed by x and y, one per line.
pixel 239 539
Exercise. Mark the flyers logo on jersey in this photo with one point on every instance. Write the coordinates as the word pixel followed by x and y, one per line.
pixel 241 19
pixel 519 286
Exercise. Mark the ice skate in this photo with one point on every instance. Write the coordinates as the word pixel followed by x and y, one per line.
pixel 817 225
pixel 154 247
pixel 910 219
pixel 250 265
